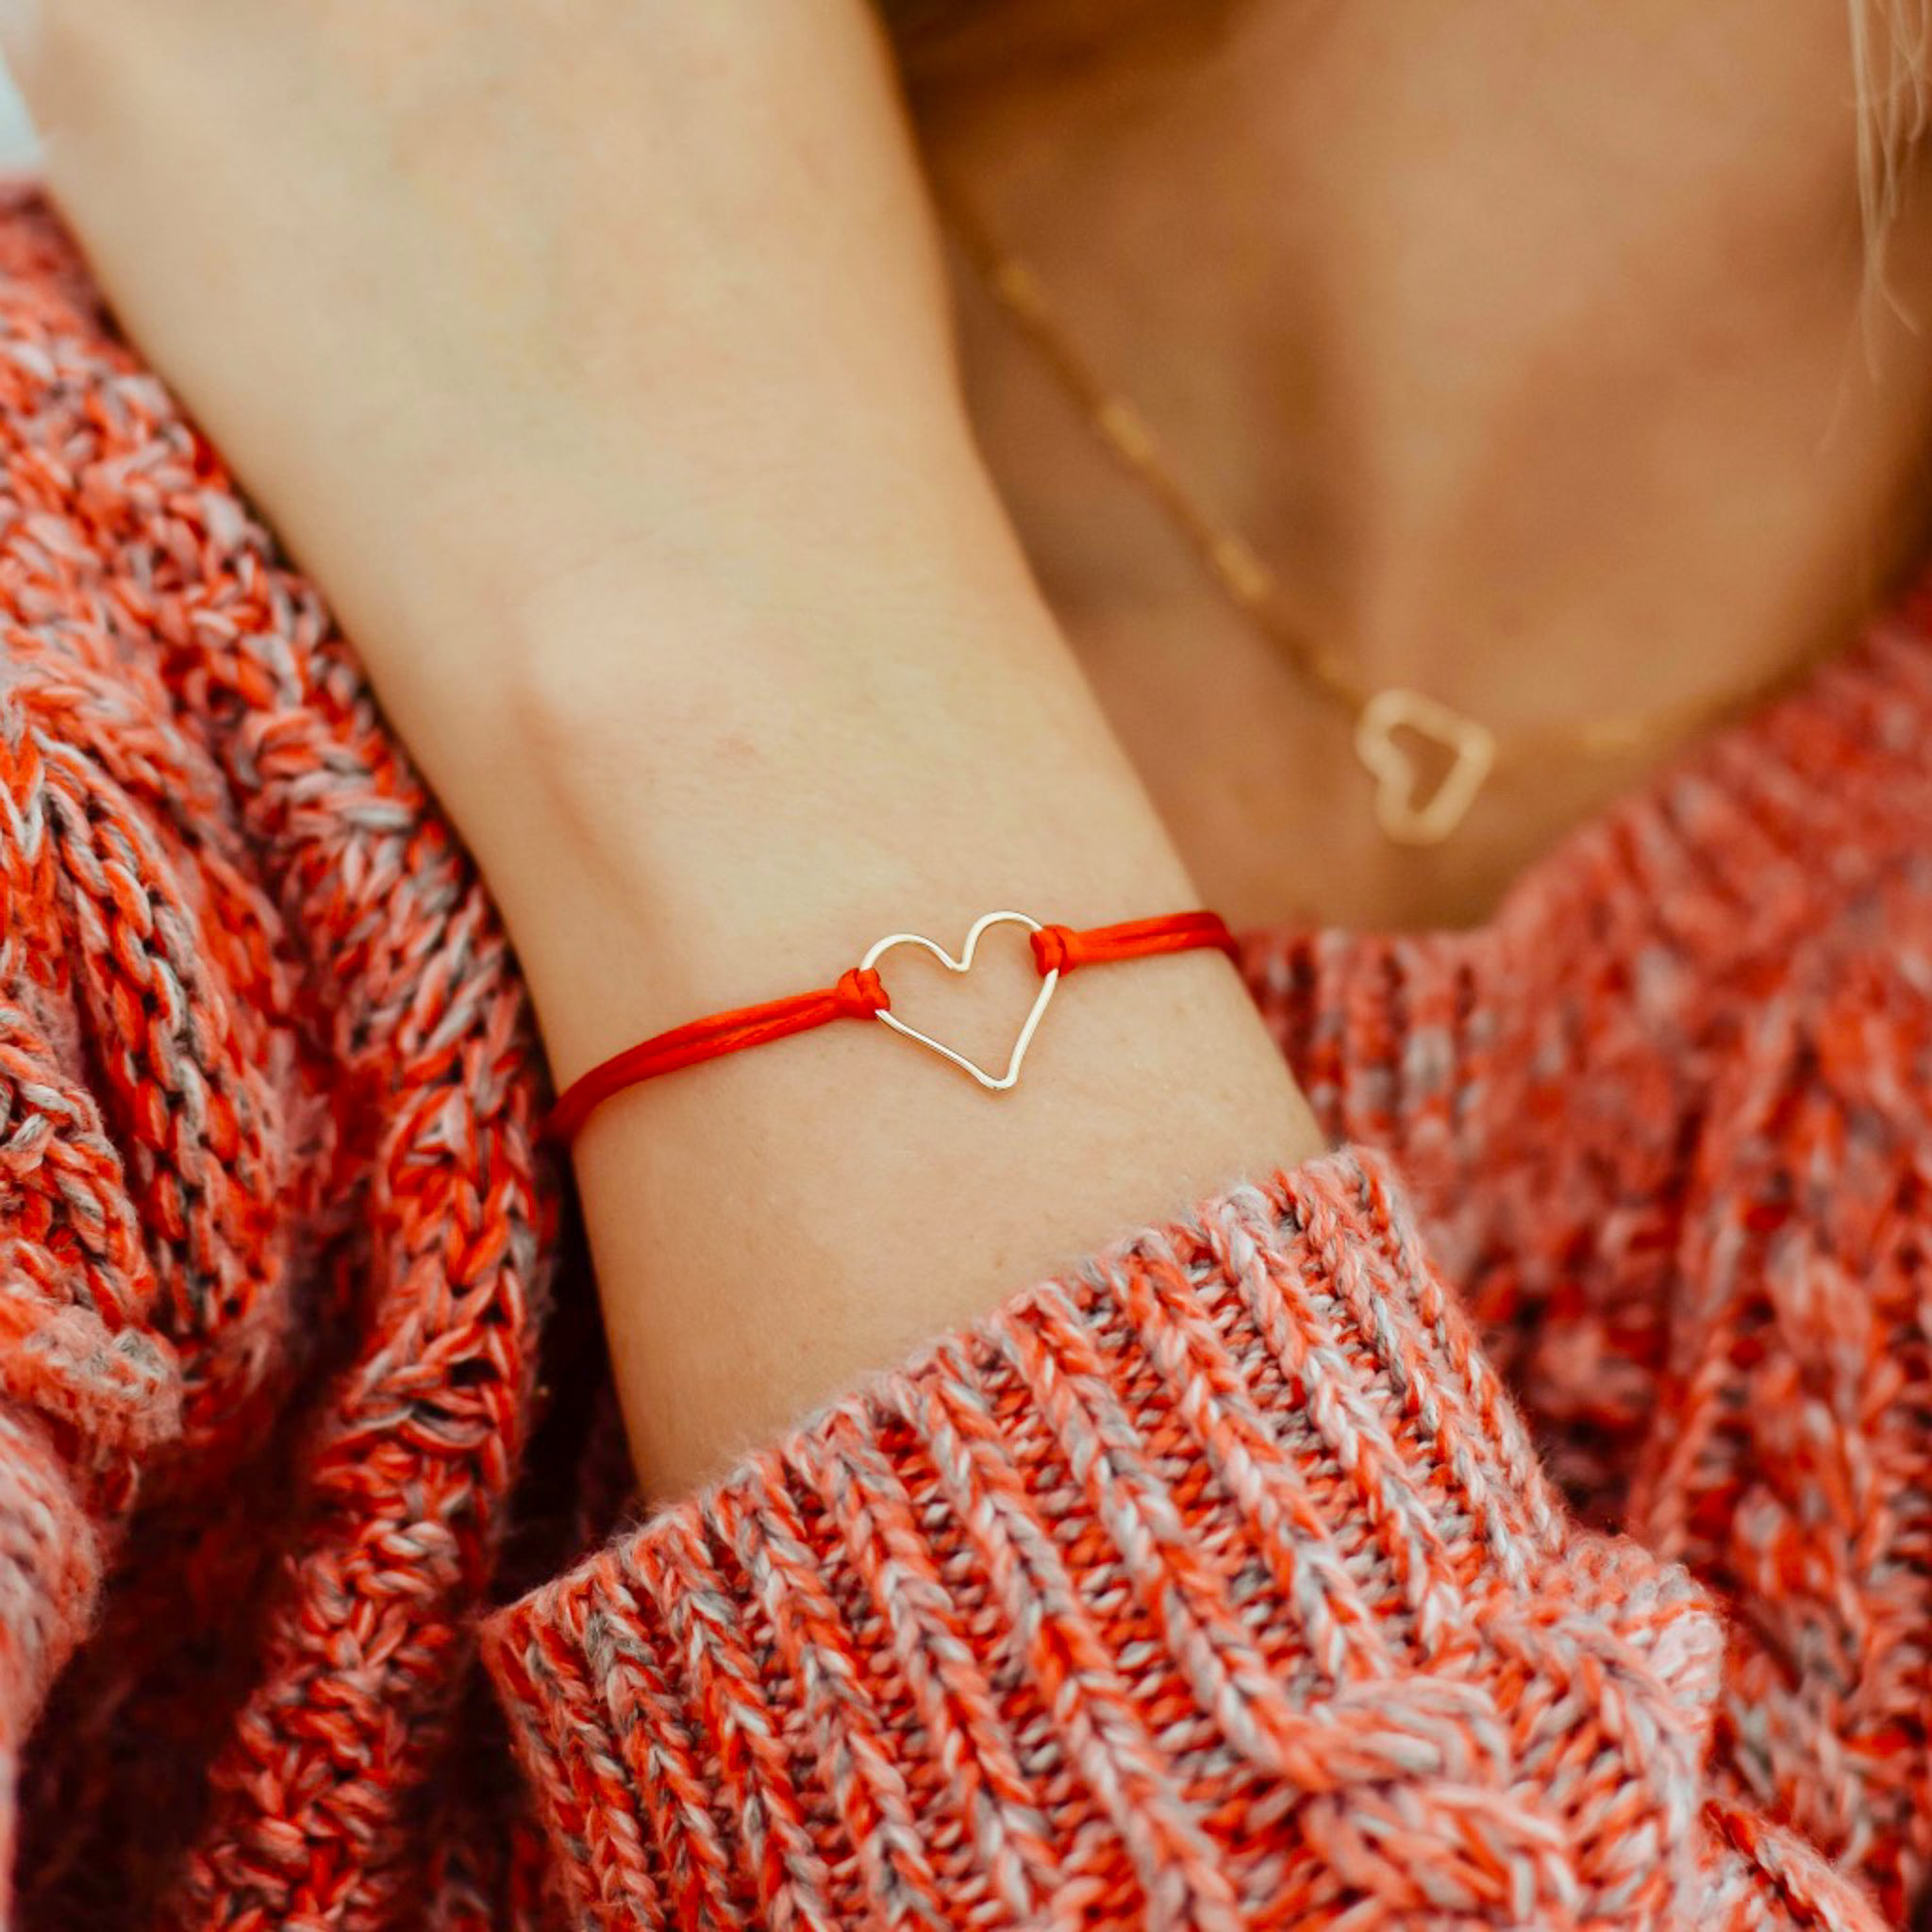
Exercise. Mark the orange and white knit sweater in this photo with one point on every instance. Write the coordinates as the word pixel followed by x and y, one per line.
pixel 1525 1523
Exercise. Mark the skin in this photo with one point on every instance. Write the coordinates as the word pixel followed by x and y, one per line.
pixel 1563 411
pixel 608 381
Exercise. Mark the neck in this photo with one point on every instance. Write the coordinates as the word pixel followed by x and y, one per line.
pixel 1537 363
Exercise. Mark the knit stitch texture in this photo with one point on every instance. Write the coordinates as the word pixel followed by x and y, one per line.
pixel 1525 1523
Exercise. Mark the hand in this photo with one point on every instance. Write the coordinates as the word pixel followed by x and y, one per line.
pixel 486 303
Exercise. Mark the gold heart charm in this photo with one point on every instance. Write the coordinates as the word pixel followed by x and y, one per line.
pixel 964 964
pixel 1471 749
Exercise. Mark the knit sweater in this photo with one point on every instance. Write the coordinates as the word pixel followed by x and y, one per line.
pixel 1520 1517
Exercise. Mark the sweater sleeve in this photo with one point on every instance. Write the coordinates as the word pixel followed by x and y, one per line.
pixel 88 1387
pixel 1214 1583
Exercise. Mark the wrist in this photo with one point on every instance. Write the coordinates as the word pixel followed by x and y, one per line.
pixel 635 907
pixel 753 818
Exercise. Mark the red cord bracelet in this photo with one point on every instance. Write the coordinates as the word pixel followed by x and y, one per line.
pixel 859 995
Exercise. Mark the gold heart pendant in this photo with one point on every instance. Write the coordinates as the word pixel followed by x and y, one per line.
pixel 964 964
pixel 1471 749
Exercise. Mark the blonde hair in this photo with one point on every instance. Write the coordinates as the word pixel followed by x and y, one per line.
pixel 1889 47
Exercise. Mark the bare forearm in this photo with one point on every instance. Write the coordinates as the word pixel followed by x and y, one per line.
pixel 647 496
pixel 768 1226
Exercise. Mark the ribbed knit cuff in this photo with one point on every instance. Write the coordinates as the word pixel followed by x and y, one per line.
pixel 1211 1582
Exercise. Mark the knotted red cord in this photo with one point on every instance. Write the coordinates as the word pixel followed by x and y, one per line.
pixel 858 995
pixel 1133 939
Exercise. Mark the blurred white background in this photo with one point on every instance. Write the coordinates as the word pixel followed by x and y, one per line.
pixel 16 137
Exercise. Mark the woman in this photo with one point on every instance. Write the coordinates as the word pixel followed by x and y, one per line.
pixel 1083 1498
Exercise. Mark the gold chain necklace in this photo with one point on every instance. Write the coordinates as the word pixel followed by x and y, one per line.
pixel 1378 716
